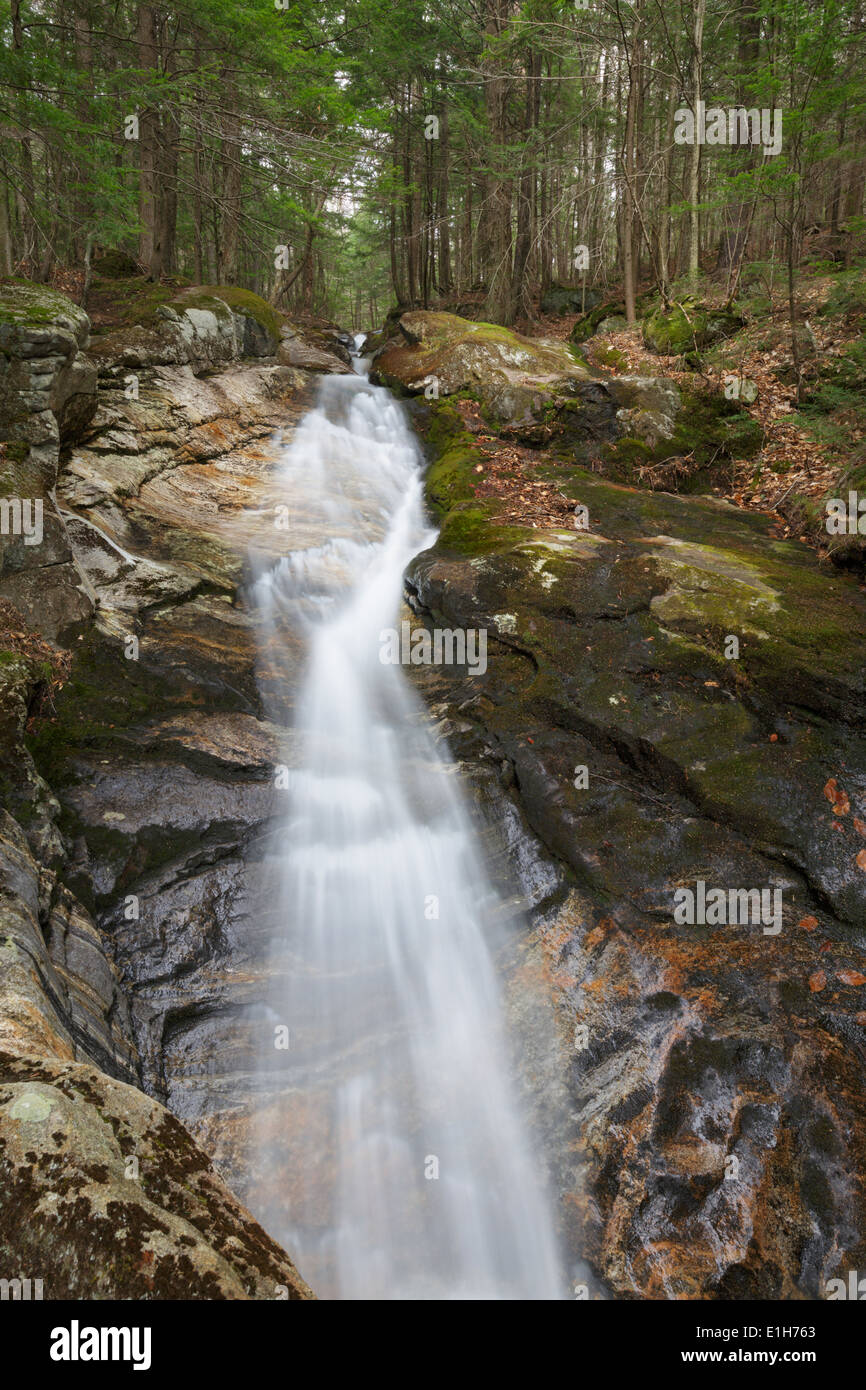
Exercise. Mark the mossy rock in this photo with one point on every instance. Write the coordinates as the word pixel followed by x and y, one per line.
pixel 611 358
pixel 469 524
pixel 588 324
pixel 688 327
pixel 591 322
pixel 709 429
pixel 24 303
pixel 239 300
pixel 514 378
pixel 115 265
pixel 126 300
pixel 846 549
pixel 569 299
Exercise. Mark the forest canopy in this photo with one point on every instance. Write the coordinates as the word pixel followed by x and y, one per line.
pixel 341 157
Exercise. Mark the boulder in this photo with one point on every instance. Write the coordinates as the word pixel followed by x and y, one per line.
pixel 297 351
pixel 514 378
pixel 569 299
pixel 105 1193
pixel 688 327
pixel 613 323
pixel 47 388
pixel 610 313
pixel 47 398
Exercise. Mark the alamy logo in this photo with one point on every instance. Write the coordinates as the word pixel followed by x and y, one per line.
pixel 22 1290
pixel 21 517
pixel 847 520
pixel 854 1290
pixel 731 907
pixel 76 1343
pixel 737 126
pixel 444 646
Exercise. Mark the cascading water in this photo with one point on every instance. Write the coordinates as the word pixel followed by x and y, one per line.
pixel 395 1161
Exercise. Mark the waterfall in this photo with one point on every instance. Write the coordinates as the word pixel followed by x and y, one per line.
pixel 393 1159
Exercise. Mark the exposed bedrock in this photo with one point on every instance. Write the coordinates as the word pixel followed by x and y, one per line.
pixel 718 1120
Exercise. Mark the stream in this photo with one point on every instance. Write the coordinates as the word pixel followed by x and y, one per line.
pixel 393 1159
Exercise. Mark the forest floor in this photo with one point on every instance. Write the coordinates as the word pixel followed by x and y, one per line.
pixel 791 460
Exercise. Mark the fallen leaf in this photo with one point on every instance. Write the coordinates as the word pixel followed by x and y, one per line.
pixel 817 982
pixel 835 794
pixel 860 861
pixel 808 923
pixel 851 977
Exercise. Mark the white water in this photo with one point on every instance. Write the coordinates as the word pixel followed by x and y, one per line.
pixel 398 1059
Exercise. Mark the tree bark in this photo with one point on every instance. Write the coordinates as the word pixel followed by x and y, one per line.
pixel 150 243
pixel 231 196
pixel 697 59
pixel 497 193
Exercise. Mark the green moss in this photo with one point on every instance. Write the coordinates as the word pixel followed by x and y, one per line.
pixel 709 430
pixel 632 453
pixel 688 327
pixel 469 530
pixel 611 358
pixel 17 450
pixel 23 302
pixel 129 300
pixel 449 479
pixel 115 265
pixel 612 308
pixel 468 524
pixel 246 302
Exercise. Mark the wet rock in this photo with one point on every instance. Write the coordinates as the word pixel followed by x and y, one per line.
pixel 123 950
pixel 44 581
pixel 59 990
pixel 294 351
pixel 47 397
pixel 644 756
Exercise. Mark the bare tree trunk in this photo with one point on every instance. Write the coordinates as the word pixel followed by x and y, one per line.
pixel 231 210
pixel 150 246
pixel 695 160
pixel 497 192
pixel 629 166
pixel 198 185
pixel 665 198
pixel 5 231
pixel 169 157
pixel 84 64
pixel 396 269
pixel 442 215
pixel 525 193
pixel 27 196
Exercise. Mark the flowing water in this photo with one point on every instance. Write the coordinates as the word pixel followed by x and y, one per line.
pixel 397 1162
